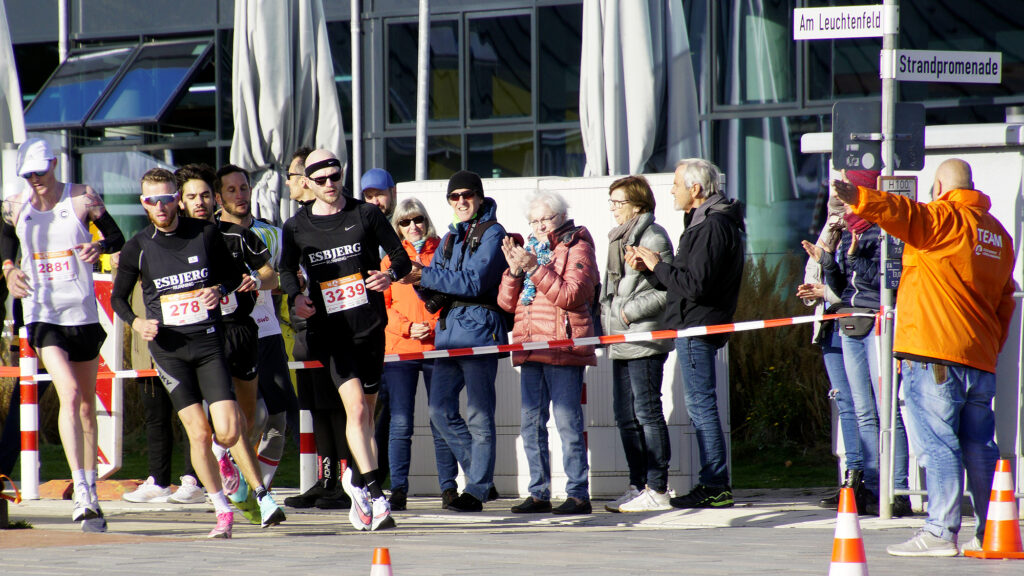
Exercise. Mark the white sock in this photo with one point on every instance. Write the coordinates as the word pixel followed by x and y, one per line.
pixel 78 478
pixel 219 451
pixel 220 502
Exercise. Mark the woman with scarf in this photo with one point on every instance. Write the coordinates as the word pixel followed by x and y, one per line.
pixel 815 292
pixel 550 287
pixel 411 329
pixel 630 303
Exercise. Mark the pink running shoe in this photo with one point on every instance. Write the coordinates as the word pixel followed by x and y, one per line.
pixel 223 528
pixel 228 475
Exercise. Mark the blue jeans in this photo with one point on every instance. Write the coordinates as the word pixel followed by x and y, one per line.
pixel 636 403
pixel 470 439
pixel 562 388
pixel 697 360
pixel 400 379
pixel 832 351
pixel 951 424
pixel 861 360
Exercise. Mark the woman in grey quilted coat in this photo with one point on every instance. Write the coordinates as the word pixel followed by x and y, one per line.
pixel 630 303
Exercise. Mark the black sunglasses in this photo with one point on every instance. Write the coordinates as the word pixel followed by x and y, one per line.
pixel 415 219
pixel 454 196
pixel 323 179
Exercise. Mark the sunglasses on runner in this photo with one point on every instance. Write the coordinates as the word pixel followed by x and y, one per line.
pixel 159 198
pixel 414 219
pixel 37 174
pixel 323 179
pixel 454 196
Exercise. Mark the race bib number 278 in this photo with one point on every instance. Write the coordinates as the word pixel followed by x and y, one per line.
pixel 183 308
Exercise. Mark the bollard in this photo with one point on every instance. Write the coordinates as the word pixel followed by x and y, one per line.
pixel 29 390
pixel 308 472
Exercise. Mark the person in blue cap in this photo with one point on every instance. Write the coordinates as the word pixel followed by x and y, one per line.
pixel 379 189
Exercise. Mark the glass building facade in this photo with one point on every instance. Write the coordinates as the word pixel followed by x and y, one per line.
pixel 504 88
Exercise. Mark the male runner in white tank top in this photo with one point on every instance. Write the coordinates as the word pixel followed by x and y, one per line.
pixel 49 221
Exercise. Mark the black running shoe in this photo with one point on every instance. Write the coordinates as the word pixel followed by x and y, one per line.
pixel 308 498
pixel 703 496
pixel 334 500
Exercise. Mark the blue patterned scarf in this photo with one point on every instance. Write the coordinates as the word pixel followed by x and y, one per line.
pixel 543 252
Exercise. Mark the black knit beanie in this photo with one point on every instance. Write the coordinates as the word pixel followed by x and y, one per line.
pixel 465 179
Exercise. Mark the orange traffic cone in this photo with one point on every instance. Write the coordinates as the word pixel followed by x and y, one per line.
pixel 848 558
pixel 381 562
pixel 1002 526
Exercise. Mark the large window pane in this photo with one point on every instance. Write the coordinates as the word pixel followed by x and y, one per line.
pixel 444 157
pixel 74 89
pixel 340 36
pixel 499 67
pixel 444 71
pixel 116 175
pixel 561 38
pixel 154 78
pixel 561 153
pixel 504 155
pixel 756 52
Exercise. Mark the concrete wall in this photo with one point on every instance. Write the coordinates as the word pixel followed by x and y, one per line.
pixel 587 198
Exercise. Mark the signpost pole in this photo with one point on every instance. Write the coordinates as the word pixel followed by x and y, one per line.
pixel 885 416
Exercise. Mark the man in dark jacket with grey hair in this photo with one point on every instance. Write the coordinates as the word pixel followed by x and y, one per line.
pixel 703 284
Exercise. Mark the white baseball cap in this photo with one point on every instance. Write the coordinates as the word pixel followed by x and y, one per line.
pixel 34 155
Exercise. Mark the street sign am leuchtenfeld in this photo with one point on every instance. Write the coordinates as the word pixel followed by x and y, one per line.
pixel 833 22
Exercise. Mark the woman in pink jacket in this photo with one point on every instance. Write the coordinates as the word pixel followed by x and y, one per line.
pixel 550 287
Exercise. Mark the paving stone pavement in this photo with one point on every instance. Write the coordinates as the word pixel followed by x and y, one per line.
pixel 768 532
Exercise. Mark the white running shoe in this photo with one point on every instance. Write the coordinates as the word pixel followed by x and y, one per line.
pixel 148 491
pixel 628 495
pixel 361 512
pixel 647 501
pixel 189 492
pixel 85 507
pixel 382 515
pixel 94 525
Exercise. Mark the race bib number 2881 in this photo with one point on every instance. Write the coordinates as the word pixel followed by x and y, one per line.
pixel 344 293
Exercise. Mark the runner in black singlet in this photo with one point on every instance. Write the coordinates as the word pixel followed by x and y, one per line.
pixel 336 240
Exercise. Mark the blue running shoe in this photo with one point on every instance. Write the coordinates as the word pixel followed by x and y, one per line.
pixel 270 512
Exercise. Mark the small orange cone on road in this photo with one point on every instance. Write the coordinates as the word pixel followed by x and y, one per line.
pixel 1002 526
pixel 381 563
pixel 848 558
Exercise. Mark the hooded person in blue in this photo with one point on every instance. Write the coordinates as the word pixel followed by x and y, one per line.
pixel 463 281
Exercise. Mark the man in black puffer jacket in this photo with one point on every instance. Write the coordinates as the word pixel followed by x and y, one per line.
pixel 703 284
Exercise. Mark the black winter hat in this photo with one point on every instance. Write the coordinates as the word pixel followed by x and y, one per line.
pixel 465 179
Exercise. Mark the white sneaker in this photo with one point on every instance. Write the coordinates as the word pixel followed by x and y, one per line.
pixel 361 512
pixel 382 515
pixel 924 544
pixel 188 493
pixel 647 501
pixel 973 546
pixel 628 495
pixel 85 507
pixel 148 491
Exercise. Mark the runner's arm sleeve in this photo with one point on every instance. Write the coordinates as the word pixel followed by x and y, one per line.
pixel 113 239
pixel 289 265
pixel 388 238
pixel 124 283
pixel 224 270
pixel 8 242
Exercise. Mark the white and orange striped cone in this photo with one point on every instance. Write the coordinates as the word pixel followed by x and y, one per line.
pixel 381 563
pixel 1002 525
pixel 848 558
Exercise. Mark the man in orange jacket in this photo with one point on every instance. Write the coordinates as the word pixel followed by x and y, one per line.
pixel 955 303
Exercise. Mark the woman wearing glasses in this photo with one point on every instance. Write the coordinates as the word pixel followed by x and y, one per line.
pixel 411 329
pixel 550 286
pixel 630 303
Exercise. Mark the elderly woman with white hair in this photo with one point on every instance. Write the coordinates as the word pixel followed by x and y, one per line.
pixel 550 287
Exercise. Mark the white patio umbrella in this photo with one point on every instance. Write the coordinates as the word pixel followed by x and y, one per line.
pixel 283 95
pixel 12 121
pixel 637 88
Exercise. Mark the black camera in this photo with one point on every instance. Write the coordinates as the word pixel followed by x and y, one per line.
pixel 434 301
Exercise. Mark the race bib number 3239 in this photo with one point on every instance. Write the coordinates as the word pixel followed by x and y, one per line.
pixel 183 308
pixel 344 293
